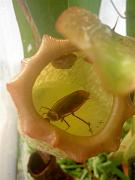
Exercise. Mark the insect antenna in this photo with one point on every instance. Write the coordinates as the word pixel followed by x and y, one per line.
pixel 123 17
pixel 115 24
pixel 88 123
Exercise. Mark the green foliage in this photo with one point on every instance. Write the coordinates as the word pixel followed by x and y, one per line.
pixel 46 12
pixel 130 17
pixel 98 167
pixel 29 46
pixel 91 5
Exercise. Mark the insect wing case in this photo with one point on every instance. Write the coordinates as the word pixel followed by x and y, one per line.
pixel 70 103
pixel 39 132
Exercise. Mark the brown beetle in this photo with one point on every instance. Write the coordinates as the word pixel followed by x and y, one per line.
pixel 67 106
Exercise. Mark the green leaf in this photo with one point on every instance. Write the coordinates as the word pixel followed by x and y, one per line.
pixel 130 15
pixel 91 5
pixel 46 12
pixel 43 14
pixel 29 44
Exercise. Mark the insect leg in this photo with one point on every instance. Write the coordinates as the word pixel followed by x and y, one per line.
pixel 42 107
pixel 88 123
pixel 62 119
pixel 43 114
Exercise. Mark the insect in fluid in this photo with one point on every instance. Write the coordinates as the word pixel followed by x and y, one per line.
pixel 68 105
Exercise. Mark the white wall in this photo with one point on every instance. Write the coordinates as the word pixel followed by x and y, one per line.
pixel 11 53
